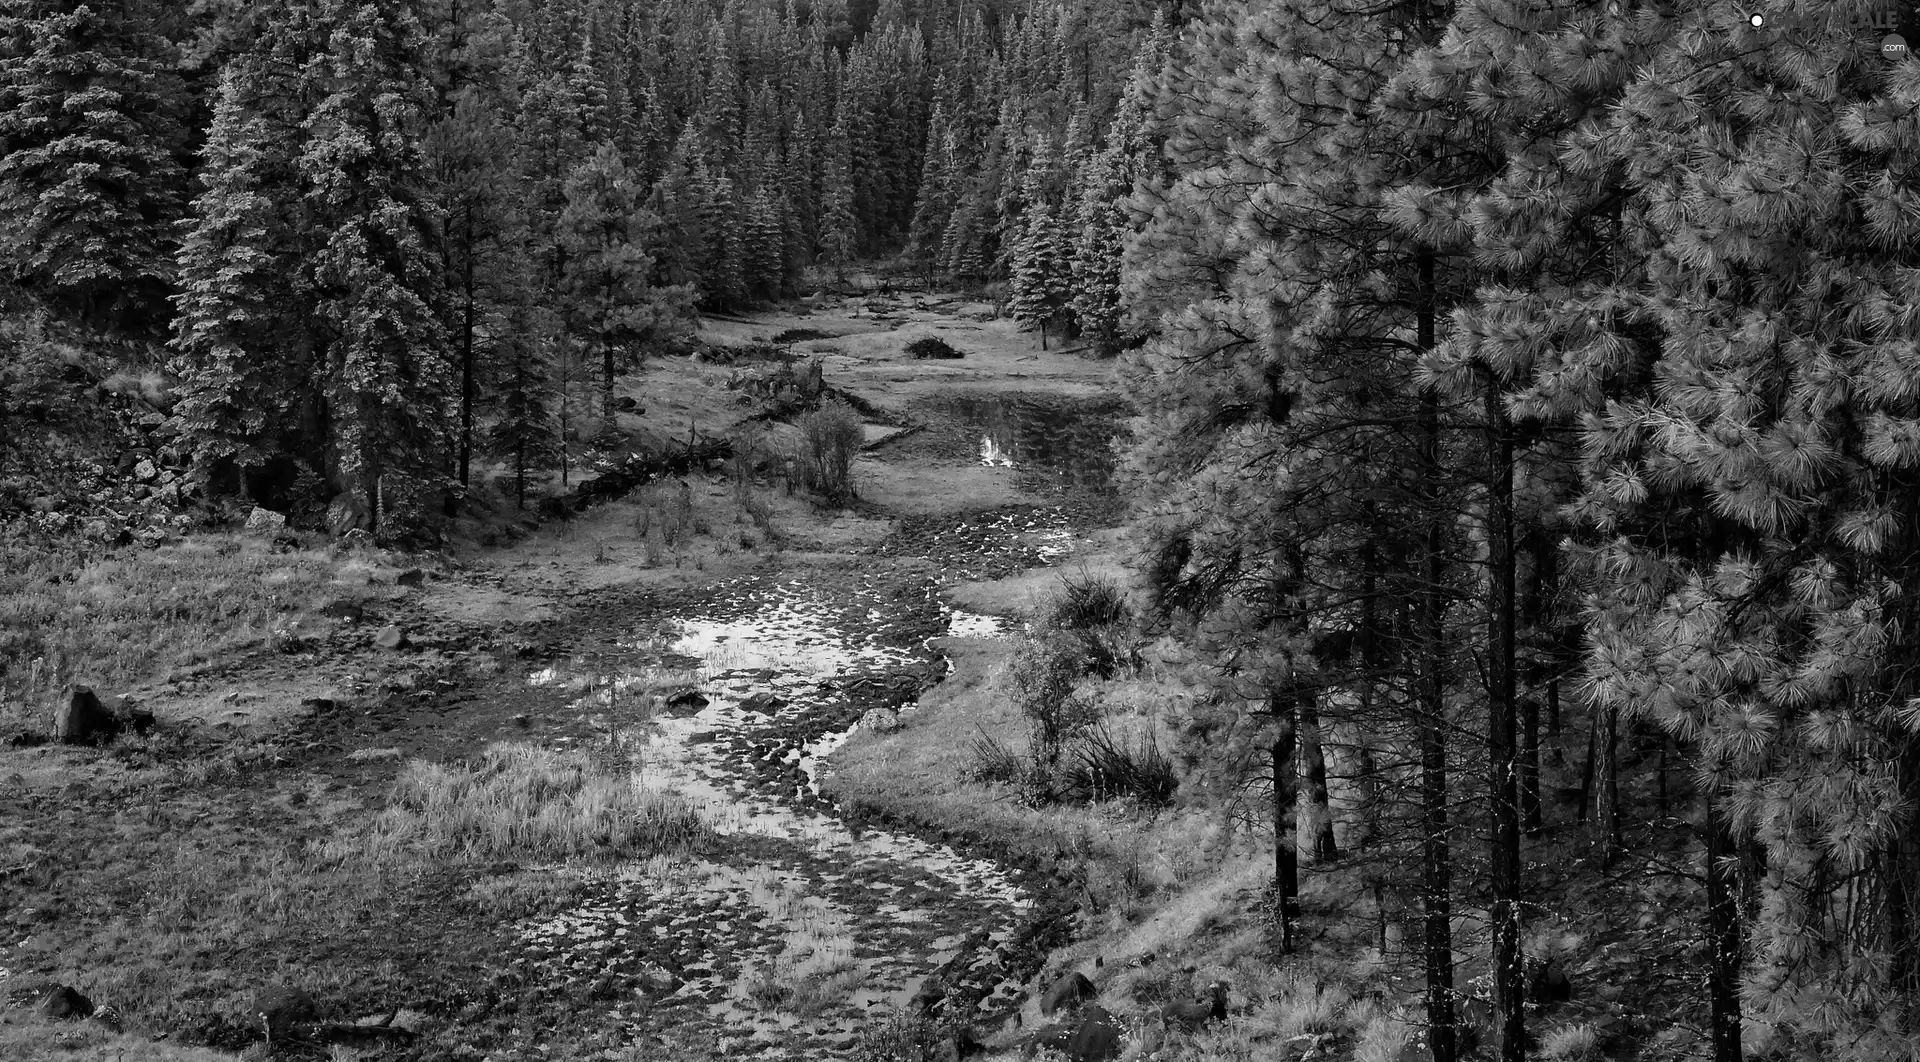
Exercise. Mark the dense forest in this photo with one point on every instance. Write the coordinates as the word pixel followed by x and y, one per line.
pixel 1512 378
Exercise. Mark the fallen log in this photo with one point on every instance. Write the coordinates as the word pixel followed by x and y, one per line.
pixel 636 470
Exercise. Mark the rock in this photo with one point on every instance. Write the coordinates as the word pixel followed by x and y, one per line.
pixel 344 514
pixel 318 705
pixel 1549 984
pixel 342 609
pixel 145 471
pixel 880 720
pixel 626 404
pixel 764 703
pixel 686 700
pixel 657 980
pixel 265 522
pixel 129 715
pixel 53 1000
pixel 411 577
pixel 79 718
pixel 278 1009
pixel 1190 1014
pixel 45 503
pixel 391 637
pixel 1094 1038
pixel 1067 993
pixel 27 739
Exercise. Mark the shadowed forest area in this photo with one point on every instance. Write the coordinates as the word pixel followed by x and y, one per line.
pixel 1358 531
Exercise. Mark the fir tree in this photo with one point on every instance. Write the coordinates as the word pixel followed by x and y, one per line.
pixel 1040 285
pixel 612 308
pixel 376 268
pixel 839 226
pixel 90 182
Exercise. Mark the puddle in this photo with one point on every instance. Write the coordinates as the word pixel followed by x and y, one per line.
pixel 1047 442
pixel 800 929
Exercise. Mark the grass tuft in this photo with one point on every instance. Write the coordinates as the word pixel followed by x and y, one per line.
pixel 518 801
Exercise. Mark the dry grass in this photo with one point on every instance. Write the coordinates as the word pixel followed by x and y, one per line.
pixel 26 1038
pixel 114 619
pixel 517 801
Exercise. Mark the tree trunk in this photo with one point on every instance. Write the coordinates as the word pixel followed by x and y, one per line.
pixel 470 290
pixel 1317 822
pixel 1903 883
pixel 1530 766
pixel 607 410
pixel 1286 855
pixel 1606 792
pixel 1436 859
pixel 1502 723
pixel 1723 933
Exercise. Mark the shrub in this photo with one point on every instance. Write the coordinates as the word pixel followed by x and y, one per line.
pixel 1088 601
pixel 801 335
pixel 1103 766
pixel 931 347
pixel 831 436
pixel 1042 671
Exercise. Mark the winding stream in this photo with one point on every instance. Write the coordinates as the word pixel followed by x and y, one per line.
pixel 802 927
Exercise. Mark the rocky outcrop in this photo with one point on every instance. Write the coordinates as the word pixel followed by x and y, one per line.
pixel 80 717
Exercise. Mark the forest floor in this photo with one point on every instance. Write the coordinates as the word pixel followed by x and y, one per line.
pixel 439 835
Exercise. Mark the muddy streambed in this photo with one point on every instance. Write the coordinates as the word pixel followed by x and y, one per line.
pixel 800 928
pixel 1050 443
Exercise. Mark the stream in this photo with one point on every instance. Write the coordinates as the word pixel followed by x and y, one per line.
pixel 803 926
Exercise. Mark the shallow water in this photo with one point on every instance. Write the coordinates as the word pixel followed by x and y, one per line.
pixel 1048 442
pixel 849 919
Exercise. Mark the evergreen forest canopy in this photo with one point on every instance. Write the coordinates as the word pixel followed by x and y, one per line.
pixel 1496 360
pixel 381 235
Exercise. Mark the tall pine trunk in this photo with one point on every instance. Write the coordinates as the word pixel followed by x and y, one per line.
pixel 1286 856
pixel 1318 819
pixel 1502 723
pixel 1723 932
pixel 1436 859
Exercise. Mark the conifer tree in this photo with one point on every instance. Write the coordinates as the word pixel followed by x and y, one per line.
pixel 612 307
pixel 90 181
pixel 376 267
pixel 839 226
pixel 1040 281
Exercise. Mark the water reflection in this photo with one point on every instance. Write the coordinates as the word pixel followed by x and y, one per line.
pixel 1054 442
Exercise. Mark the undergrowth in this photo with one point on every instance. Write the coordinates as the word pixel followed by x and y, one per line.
pixel 523 802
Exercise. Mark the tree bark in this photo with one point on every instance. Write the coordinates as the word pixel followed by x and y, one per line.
pixel 1502 723
pixel 1436 859
pixel 469 288
pixel 1286 855
pixel 1723 933
pixel 1607 788
pixel 1317 822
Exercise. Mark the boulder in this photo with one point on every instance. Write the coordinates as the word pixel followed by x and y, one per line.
pixel 880 720
pixel 411 577
pixel 763 703
pixel 1094 1038
pixel 279 1009
pixel 145 470
pixel 344 514
pixel 626 404
pixel 265 522
pixel 57 1001
pixel 79 718
pixel 1067 993
pixel 129 715
pixel 343 609
pixel 685 700
pixel 391 637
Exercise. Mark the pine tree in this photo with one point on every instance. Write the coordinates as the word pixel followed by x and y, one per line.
pixel 839 226
pixel 376 269
pixel 1040 284
pixel 612 308
pixel 90 181
pixel 242 350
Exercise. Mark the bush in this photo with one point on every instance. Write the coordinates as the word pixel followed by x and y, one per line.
pixel 801 335
pixel 1102 766
pixel 931 347
pixel 1042 672
pixel 1088 601
pixel 831 436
